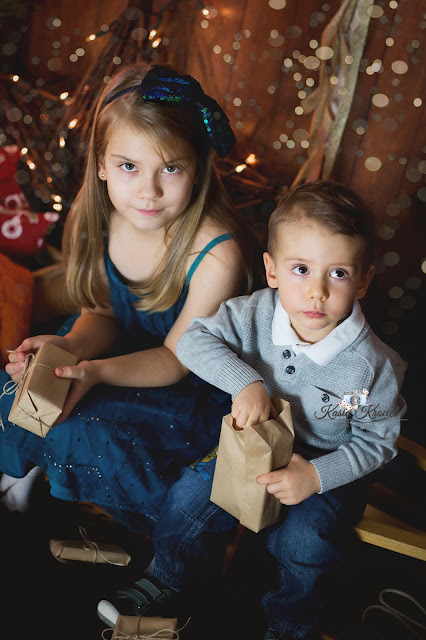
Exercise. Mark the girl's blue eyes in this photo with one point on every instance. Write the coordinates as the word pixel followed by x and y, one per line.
pixel 129 167
pixel 337 274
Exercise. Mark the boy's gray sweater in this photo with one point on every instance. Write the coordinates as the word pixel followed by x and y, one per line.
pixel 234 348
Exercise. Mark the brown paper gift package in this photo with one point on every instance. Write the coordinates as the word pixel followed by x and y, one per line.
pixel 79 550
pixel 137 627
pixel 39 400
pixel 243 455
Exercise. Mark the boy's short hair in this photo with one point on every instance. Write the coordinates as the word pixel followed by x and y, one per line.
pixel 331 204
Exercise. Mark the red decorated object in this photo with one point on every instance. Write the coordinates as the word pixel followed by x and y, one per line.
pixel 22 231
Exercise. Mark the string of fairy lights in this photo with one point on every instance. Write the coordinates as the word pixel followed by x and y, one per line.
pixel 146 42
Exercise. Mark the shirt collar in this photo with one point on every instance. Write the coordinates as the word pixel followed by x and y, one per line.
pixel 323 351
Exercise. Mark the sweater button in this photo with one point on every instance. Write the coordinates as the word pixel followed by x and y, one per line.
pixel 290 369
pixel 286 353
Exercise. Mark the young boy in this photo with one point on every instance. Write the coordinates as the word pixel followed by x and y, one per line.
pixel 306 340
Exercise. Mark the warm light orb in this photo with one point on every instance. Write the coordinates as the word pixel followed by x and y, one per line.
pixel 324 53
pixel 277 4
pixel 64 95
pixel 251 159
pixel 375 11
pixel 373 164
pixel 380 100
pixel 399 66
pixel 311 62
pixel 240 168
pixel 72 124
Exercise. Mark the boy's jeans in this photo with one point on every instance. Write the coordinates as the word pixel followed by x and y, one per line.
pixel 311 540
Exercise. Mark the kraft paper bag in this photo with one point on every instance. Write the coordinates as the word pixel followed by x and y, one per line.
pixel 243 455
pixel 39 399
pixel 139 628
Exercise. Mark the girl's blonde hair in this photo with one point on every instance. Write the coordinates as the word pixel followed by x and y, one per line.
pixel 171 129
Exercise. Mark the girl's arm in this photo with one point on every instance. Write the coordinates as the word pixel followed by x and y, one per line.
pixel 217 278
pixel 93 333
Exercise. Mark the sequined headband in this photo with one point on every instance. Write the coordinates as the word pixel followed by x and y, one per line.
pixel 164 84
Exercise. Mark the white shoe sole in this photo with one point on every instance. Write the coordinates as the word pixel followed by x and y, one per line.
pixel 107 613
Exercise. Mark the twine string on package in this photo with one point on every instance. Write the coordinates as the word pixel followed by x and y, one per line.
pixel 144 628
pixel 85 550
pixel 11 387
pixel 40 394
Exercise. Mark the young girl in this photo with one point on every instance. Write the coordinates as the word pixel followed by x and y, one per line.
pixel 151 242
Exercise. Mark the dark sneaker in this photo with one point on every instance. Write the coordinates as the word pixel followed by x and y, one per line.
pixel 147 597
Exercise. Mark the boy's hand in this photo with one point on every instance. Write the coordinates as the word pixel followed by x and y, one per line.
pixel 252 405
pixel 293 484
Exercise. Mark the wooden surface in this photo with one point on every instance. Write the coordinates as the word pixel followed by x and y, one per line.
pixel 399 524
pixel 391 534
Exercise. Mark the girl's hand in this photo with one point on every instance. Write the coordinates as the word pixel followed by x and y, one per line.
pixel 84 376
pixel 15 366
pixel 293 484
pixel 252 405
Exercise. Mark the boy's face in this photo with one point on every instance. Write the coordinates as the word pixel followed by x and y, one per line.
pixel 318 275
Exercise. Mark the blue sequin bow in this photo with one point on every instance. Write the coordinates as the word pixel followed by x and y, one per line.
pixel 164 84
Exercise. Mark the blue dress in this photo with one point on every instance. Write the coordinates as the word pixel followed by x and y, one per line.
pixel 122 448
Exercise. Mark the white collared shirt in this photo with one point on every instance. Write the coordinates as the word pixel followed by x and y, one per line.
pixel 323 351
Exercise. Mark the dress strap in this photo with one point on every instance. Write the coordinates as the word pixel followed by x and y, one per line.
pixel 210 245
